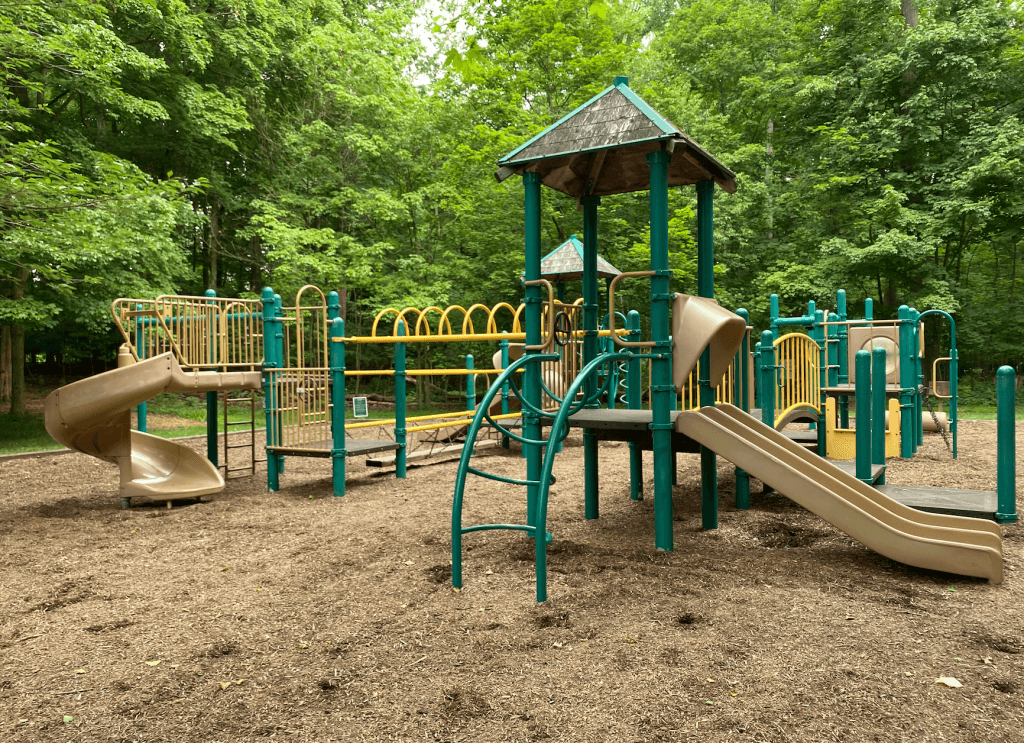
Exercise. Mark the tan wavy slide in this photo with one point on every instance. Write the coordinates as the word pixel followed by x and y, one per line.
pixel 952 544
pixel 93 416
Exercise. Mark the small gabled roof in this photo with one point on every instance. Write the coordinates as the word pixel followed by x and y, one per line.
pixel 565 263
pixel 600 149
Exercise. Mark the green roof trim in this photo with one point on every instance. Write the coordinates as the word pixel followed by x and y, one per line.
pixel 647 111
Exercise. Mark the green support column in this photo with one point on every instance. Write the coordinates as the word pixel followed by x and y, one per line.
pixel 741 397
pixel 773 315
pixel 590 349
pixel 279 341
pixel 662 389
pixel 211 397
pixel 337 362
pixel 470 383
pixel 333 306
pixel 954 361
pixel 270 366
pixel 531 374
pixel 706 389
pixel 633 402
pixel 843 376
pixel 919 379
pixel 818 335
pixel 767 375
pixel 401 402
pixel 503 346
pixel 862 391
pixel 906 385
pixel 878 409
pixel 1006 457
pixel 140 349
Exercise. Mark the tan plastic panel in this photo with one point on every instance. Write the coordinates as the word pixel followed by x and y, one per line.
pixel 864 339
pixel 696 322
pixel 949 543
pixel 93 416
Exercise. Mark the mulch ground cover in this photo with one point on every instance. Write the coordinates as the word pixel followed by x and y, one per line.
pixel 298 616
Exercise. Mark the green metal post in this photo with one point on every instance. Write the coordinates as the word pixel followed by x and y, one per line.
pixel 767 375
pixel 906 385
pixel 869 309
pixel 740 395
pixel 818 335
pixel 401 403
pixel 843 376
pixel 832 378
pixel 954 361
pixel 470 383
pixel 503 345
pixel 1006 462
pixel 757 373
pixel 333 305
pixel 270 365
pixel 279 340
pixel 773 315
pixel 878 409
pixel 211 397
pixel 337 362
pixel 918 380
pixel 633 402
pixel 590 350
pixel 862 392
pixel 531 374
pixel 706 390
pixel 662 389
pixel 140 349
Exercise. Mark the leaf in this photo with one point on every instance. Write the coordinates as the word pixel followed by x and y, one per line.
pixel 68 718
pixel 224 685
pixel 599 9
pixel 79 670
pixel 948 681
pixel 152 662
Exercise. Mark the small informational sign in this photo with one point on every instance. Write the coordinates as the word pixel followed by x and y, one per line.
pixel 359 407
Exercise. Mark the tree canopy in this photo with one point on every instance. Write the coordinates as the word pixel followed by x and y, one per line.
pixel 152 146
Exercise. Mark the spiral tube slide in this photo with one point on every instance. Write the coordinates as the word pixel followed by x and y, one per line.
pixel 93 416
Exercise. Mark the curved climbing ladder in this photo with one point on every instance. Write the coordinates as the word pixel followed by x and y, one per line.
pixel 571 402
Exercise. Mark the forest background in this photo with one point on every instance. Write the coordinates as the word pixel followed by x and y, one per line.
pixel 162 146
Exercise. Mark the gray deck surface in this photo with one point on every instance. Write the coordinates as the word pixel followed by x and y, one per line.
pixel 801 437
pixel 354 447
pixel 850 467
pixel 975 503
pixel 848 389
pixel 629 420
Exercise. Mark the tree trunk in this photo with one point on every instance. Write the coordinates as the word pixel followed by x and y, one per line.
pixel 18 350
pixel 5 363
pixel 214 242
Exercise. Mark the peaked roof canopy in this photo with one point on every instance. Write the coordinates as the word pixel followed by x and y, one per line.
pixel 565 263
pixel 600 149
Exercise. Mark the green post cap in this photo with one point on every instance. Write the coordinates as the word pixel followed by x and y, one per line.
pixel 620 80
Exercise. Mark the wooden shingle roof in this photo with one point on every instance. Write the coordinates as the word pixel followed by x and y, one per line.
pixel 565 263
pixel 601 148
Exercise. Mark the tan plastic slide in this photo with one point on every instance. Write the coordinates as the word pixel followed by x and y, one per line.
pixel 952 544
pixel 93 416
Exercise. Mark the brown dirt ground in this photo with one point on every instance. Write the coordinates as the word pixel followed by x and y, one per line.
pixel 304 617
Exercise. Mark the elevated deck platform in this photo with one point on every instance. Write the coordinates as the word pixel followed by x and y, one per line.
pixel 849 466
pixel 354 447
pixel 979 504
pixel 848 389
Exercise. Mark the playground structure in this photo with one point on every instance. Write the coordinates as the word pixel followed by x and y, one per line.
pixel 560 364
pixel 616 143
